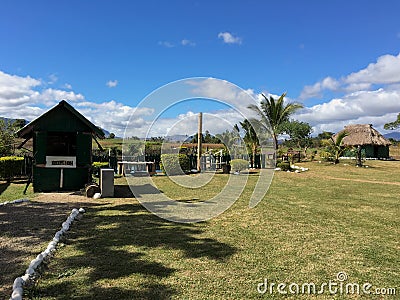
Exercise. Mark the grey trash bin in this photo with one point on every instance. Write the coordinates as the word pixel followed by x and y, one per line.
pixel 107 182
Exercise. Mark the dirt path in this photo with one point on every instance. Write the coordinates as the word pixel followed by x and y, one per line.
pixel 25 230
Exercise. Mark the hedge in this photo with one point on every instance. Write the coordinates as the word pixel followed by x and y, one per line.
pixel 239 165
pixel 11 166
pixel 96 166
pixel 175 164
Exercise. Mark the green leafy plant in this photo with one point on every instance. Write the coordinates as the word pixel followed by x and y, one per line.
pixel 284 166
pixel 239 165
pixel 334 148
pixel 96 166
pixel 175 164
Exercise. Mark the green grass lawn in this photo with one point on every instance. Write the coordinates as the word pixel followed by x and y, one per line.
pixel 13 190
pixel 309 227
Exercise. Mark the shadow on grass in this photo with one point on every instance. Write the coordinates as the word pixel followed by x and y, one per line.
pixel 4 186
pixel 112 243
pixel 122 191
pixel 24 228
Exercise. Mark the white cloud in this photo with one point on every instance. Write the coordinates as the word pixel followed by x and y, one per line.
pixel 224 91
pixel 16 90
pixel 112 83
pixel 113 116
pixel 25 98
pixel 370 95
pixel 52 79
pixel 312 91
pixel 229 38
pixel 384 71
pixel 68 86
pixel 186 124
pixel 186 42
pixel 369 107
pixel 166 44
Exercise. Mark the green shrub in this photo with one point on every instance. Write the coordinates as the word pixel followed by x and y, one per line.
pixel 239 165
pixel 175 164
pixel 326 155
pixel 284 165
pixel 11 166
pixel 96 166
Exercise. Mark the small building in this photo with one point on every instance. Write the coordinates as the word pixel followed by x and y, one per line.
pixel 62 148
pixel 372 143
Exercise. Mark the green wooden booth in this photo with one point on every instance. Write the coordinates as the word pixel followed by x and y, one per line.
pixel 62 149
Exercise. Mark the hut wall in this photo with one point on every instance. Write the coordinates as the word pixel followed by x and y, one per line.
pixel 48 179
pixel 383 152
pixel 370 151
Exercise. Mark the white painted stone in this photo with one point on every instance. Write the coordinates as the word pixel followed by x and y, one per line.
pixel 39 257
pixel 18 282
pixel 30 271
pixel 17 294
pixel 82 210
pixel 25 277
pixel 97 196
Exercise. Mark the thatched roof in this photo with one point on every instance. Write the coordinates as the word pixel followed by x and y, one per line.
pixel 362 134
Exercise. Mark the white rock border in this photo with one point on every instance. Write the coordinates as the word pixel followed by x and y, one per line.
pixel 296 169
pixel 14 202
pixel 21 281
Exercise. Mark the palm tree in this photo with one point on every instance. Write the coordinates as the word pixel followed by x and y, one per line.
pixel 336 148
pixel 251 139
pixel 275 112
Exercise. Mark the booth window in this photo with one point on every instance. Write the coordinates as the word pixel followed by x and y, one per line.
pixel 61 144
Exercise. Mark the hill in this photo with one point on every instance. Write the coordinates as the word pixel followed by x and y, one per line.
pixel 393 135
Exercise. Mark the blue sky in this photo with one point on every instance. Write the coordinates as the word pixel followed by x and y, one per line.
pixel 339 58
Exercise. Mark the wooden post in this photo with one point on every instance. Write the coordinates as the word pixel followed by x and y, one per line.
pixel 199 130
pixel 359 163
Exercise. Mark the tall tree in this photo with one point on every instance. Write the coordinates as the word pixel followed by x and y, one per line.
pixel 393 125
pixel 6 137
pixel 251 139
pixel 230 139
pixel 299 133
pixel 274 113
pixel 325 135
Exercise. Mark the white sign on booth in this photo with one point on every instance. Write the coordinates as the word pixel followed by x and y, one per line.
pixel 62 162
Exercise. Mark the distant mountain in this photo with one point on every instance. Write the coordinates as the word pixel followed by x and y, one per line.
pixel 10 121
pixel 177 138
pixel 106 132
pixel 393 135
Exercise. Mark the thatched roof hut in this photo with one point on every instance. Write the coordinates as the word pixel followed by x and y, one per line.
pixel 372 142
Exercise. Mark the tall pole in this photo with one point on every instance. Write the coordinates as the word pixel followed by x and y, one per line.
pixel 199 130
